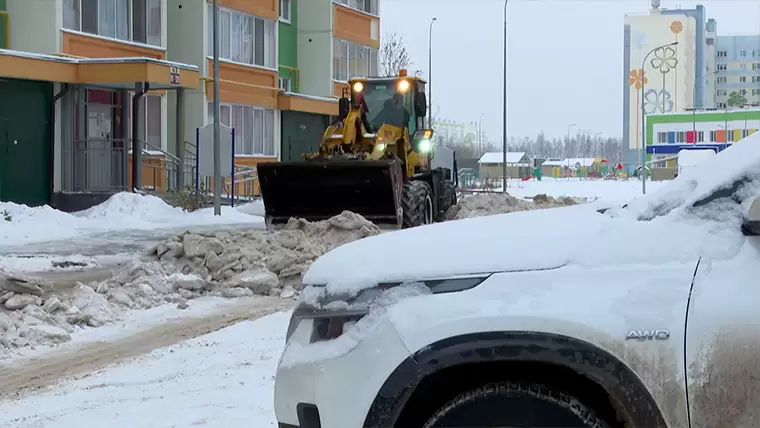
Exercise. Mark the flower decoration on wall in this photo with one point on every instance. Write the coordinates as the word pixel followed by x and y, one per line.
pixel 664 60
pixel 637 78
pixel 676 27
pixel 658 101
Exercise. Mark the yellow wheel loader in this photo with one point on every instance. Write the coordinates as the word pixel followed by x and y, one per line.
pixel 374 160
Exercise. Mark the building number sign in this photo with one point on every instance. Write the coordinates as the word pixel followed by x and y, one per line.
pixel 174 75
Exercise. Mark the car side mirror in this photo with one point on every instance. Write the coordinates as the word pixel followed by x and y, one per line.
pixel 420 104
pixel 751 226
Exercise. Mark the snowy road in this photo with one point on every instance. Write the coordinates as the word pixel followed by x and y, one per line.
pixel 221 379
pixel 112 242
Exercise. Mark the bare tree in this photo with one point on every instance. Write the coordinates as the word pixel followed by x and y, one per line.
pixel 393 56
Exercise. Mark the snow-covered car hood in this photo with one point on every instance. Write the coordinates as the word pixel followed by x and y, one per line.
pixel 686 219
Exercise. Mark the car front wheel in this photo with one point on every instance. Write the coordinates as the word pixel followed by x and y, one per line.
pixel 515 404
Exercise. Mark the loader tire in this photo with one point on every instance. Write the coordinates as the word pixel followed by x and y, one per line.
pixel 417 204
pixel 448 199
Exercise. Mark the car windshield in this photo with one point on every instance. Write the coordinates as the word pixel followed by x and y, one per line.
pixel 727 181
pixel 385 105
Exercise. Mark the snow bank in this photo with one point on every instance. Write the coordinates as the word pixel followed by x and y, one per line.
pixel 123 211
pixel 188 266
pixel 483 204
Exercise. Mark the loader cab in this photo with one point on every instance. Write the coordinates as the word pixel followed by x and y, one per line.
pixel 393 100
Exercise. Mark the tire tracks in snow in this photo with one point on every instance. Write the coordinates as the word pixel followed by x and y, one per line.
pixel 26 376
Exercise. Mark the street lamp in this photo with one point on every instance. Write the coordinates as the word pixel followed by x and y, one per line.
pixel 504 106
pixel 643 118
pixel 430 74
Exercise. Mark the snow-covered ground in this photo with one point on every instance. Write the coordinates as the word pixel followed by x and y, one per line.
pixel 20 224
pixel 223 379
pixel 617 191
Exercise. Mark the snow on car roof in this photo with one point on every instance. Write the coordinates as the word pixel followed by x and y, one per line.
pixel 550 238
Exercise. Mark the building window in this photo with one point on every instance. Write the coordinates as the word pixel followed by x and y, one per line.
pixel 722 67
pixel 284 83
pixel 743 53
pixel 367 6
pixel 755 92
pixel 353 59
pixel 254 128
pixel 662 137
pixel 722 54
pixel 721 105
pixel 742 92
pixel 756 65
pixel 743 79
pixel 700 136
pixel 136 21
pixel 680 137
pixel 713 136
pixel 243 38
pixel 152 112
pixel 285 10
pixel 722 79
pixel 742 66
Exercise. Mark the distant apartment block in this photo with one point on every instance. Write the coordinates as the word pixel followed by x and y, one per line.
pixel 738 77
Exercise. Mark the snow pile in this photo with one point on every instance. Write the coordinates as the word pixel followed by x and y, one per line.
pixel 484 204
pixel 136 211
pixel 223 264
pixel 21 224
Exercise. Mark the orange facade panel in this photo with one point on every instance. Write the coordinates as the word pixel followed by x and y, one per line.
pixel 262 8
pixel 356 26
pixel 308 105
pixel 20 67
pixel 240 84
pixel 338 88
pixel 79 45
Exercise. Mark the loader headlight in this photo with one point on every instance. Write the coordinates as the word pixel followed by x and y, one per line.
pixel 403 85
pixel 358 87
pixel 331 315
pixel 380 147
pixel 425 146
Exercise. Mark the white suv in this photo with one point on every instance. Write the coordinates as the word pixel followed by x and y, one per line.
pixel 641 316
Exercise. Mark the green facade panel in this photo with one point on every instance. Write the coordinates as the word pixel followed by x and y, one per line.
pixel 25 114
pixel 699 117
pixel 4 26
pixel 301 133
pixel 287 50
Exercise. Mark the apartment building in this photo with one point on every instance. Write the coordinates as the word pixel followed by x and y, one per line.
pixel 276 67
pixel 322 43
pixel 675 78
pixel 282 65
pixel 738 76
pixel 69 80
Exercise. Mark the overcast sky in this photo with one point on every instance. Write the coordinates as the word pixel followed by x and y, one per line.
pixel 564 57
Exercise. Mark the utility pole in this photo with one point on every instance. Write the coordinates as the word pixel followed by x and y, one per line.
pixel 430 74
pixel 505 147
pixel 217 136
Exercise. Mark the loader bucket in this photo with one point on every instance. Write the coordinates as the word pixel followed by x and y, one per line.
pixel 319 189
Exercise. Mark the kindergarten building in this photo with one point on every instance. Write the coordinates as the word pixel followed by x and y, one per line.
pixel 669 133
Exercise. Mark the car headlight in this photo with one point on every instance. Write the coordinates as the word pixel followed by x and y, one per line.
pixel 334 314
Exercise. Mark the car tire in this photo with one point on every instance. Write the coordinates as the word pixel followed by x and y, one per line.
pixel 515 404
pixel 417 204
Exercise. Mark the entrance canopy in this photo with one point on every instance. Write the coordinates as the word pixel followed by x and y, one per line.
pixel 111 72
